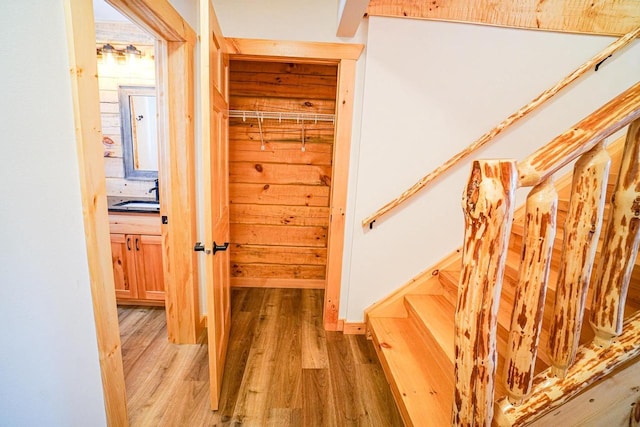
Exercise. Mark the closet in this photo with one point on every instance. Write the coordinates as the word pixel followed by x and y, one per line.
pixel 281 139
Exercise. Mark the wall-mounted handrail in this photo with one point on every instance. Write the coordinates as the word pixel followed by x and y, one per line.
pixel 505 124
pixel 580 138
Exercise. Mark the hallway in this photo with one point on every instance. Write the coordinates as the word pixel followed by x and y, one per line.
pixel 282 369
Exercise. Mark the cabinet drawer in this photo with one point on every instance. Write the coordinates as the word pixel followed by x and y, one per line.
pixel 127 223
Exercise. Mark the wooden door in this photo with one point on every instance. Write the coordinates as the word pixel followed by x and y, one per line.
pixel 215 125
pixel 124 269
pixel 149 271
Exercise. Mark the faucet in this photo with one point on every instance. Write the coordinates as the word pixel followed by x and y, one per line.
pixel 156 189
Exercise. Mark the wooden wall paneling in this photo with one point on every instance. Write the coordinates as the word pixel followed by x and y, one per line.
pixel 299 195
pixel 127 188
pixel 280 173
pixel 282 85
pixel 304 105
pixel 606 17
pixel 313 133
pixel 242 253
pixel 342 149
pixel 84 95
pixel 282 67
pixel 269 282
pixel 249 151
pixel 279 214
pixel 279 235
pixel 122 32
pixel 277 271
pixel 110 77
pixel 280 240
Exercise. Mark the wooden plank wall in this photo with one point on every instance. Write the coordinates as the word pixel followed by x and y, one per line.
pixel 280 195
pixel 606 17
pixel 110 76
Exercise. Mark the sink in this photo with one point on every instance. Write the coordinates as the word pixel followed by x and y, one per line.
pixel 139 204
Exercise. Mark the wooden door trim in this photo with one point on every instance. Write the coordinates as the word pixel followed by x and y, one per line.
pixel 85 97
pixel 175 72
pixel 276 50
pixel 345 56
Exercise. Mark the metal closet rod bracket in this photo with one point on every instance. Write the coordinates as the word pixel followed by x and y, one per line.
pixel 278 115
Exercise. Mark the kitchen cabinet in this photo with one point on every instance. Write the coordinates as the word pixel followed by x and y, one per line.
pixel 137 261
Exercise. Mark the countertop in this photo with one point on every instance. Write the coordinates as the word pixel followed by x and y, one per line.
pixel 113 201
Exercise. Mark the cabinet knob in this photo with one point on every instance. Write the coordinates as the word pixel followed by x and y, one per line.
pixel 199 247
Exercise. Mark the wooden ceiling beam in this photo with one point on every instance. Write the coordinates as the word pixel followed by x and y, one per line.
pixel 603 17
pixel 351 14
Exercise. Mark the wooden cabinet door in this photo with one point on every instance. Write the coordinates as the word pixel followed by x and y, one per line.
pixel 150 277
pixel 124 268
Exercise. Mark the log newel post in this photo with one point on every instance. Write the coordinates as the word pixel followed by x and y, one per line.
pixel 526 318
pixel 620 245
pixel 581 232
pixel 488 209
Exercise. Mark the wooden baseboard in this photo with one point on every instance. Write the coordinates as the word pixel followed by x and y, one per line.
pixel 150 303
pixel 354 328
pixel 244 282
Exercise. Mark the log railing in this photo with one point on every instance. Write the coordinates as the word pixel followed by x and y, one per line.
pixel 505 124
pixel 488 207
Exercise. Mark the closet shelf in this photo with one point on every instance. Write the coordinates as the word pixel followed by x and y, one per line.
pixel 277 115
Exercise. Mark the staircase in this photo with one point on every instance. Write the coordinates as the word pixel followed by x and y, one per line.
pixel 414 329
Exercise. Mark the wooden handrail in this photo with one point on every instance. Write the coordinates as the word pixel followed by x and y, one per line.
pixel 505 124
pixel 566 147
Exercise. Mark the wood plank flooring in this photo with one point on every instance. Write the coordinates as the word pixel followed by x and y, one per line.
pixel 282 369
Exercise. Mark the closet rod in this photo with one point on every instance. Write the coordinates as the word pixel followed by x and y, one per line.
pixel 276 115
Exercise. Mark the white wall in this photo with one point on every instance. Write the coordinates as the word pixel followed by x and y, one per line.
pixel 49 371
pixel 431 89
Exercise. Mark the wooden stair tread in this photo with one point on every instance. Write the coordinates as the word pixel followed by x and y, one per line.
pixel 421 379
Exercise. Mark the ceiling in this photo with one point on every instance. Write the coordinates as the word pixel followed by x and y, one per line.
pixel 104 12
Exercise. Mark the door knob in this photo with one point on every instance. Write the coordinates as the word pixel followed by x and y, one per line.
pixel 219 248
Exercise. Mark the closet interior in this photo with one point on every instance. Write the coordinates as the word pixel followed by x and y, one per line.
pixel 281 139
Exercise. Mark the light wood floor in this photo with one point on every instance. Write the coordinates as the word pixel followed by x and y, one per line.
pixel 282 369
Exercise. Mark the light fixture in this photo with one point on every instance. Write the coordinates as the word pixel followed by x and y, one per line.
pixel 110 54
pixel 131 52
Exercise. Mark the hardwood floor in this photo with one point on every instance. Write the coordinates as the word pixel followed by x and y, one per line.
pixel 282 369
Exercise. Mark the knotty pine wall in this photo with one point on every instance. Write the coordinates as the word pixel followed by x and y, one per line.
pixel 110 76
pixel 279 196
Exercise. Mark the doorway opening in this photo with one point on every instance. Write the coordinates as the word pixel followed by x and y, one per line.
pixel 128 111
pixel 281 143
